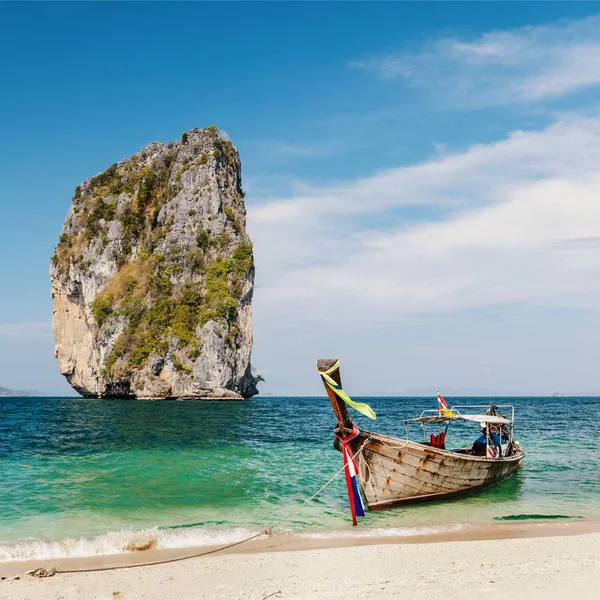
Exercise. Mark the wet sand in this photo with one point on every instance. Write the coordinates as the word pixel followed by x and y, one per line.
pixel 516 560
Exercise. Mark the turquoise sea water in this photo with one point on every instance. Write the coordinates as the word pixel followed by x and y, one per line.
pixel 84 477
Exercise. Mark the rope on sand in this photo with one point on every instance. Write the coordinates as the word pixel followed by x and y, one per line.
pixel 54 569
pixel 41 572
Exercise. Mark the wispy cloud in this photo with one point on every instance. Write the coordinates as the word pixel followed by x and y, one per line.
pixel 501 67
pixel 513 222
pixel 321 146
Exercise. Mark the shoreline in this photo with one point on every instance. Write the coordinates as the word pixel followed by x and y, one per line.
pixel 314 541
pixel 506 568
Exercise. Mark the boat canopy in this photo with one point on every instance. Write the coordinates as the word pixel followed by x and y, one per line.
pixel 492 419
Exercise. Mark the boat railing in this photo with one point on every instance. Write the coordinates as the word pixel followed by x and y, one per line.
pixel 429 411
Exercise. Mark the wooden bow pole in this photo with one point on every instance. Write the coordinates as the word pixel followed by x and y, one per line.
pixel 338 405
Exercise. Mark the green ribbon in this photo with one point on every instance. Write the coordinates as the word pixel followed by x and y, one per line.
pixel 361 407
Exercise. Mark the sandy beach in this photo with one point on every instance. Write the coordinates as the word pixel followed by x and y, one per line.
pixel 559 562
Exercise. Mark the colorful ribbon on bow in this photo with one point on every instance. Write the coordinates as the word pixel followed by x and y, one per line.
pixel 350 470
pixel 361 407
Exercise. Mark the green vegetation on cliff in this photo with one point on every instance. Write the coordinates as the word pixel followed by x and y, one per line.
pixel 153 307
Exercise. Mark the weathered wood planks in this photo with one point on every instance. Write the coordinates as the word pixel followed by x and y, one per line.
pixel 394 471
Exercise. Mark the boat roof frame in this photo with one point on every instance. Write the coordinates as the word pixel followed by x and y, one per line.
pixel 436 417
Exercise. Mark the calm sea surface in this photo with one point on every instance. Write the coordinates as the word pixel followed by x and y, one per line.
pixel 84 477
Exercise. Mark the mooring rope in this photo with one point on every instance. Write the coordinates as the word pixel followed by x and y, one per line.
pixel 54 569
pixel 394 447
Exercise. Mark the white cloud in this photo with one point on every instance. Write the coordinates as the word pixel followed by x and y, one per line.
pixel 516 221
pixel 501 67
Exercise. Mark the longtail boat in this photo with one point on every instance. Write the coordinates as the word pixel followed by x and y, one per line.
pixel 394 471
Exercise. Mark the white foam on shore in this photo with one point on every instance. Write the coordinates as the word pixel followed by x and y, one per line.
pixel 128 540
pixel 120 542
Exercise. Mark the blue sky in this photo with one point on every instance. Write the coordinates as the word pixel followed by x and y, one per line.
pixel 422 178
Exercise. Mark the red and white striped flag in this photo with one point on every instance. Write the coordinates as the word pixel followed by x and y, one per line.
pixel 442 404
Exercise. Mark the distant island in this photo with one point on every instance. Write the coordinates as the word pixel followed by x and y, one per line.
pixel 6 392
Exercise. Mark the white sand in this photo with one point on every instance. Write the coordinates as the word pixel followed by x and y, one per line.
pixel 548 567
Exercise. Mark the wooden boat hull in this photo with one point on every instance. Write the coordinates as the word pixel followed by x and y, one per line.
pixel 393 472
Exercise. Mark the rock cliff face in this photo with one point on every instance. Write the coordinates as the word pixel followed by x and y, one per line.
pixel 153 276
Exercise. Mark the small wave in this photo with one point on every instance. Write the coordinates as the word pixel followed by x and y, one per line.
pixel 535 517
pixel 120 542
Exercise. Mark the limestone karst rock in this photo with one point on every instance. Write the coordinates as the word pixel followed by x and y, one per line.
pixel 153 276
